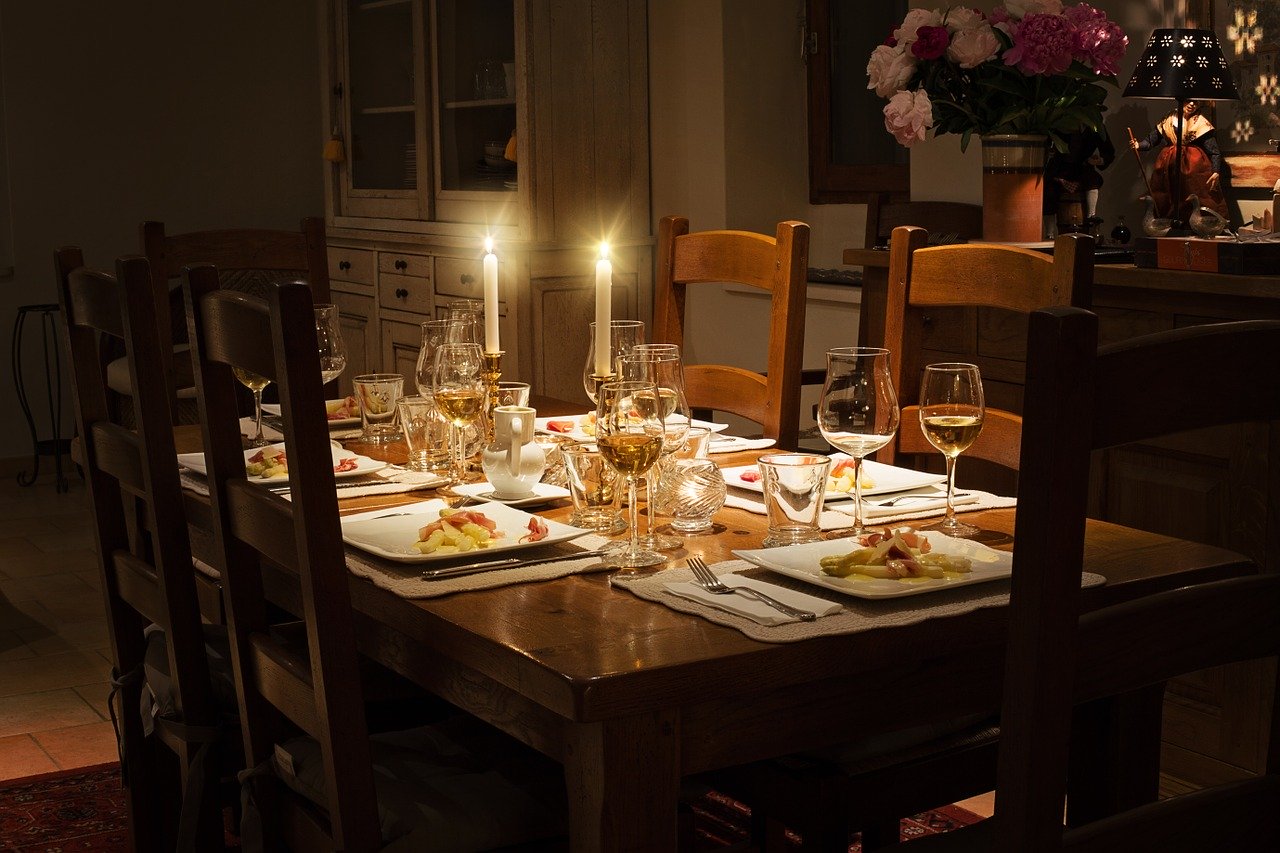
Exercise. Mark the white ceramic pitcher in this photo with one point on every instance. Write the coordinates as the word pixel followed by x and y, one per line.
pixel 514 462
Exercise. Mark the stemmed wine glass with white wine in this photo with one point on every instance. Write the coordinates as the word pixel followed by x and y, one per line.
pixel 333 350
pixel 858 412
pixel 630 440
pixel 458 385
pixel 661 365
pixel 951 413
pixel 254 383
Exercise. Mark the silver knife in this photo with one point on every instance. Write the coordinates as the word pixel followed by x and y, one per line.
pixel 510 563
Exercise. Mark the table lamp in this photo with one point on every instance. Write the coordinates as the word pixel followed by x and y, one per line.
pixel 1185 65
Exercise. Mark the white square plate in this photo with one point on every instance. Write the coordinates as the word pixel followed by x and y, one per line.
pixel 364 465
pixel 334 423
pixel 801 562
pixel 887 478
pixel 542 493
pixel 577 433
pixel 394 535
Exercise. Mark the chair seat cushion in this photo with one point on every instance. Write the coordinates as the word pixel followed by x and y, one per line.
pixel 455 785
pixel 118 378
pixel 158 701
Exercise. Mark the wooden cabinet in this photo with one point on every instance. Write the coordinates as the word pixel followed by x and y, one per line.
pixel 424 93
pixel 354 310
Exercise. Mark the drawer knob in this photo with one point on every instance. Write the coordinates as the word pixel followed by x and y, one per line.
pixel 466 278
pixel 400 265
pixel 344 265
pixel 402 293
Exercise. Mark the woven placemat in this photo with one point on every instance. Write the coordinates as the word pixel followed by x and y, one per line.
pixel 859 614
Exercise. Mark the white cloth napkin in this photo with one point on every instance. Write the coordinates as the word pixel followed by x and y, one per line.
pixel 925 499
pixel 750 608
pixel 388 481
pixel 733 443
pixel 839 514
pixel 754 503
pixel 270 433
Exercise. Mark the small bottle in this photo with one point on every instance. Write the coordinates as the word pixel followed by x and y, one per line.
pixel 1121 233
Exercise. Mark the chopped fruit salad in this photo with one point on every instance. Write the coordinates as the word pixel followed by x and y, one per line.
pixel 895 554
pixel 341 410
pixel 270 463
pixel 457 531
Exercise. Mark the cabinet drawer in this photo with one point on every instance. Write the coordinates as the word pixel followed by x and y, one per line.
pixel 398 264
pixel 463 278
pixel 405 293
pixel 351 264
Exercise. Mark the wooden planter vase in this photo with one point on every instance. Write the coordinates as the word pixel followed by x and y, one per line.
pixel 1012 187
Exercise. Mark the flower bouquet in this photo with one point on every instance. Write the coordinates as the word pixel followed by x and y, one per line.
pixel 1029 67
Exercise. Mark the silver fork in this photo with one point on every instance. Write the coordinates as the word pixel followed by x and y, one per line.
pixel 893 501
pixel 706 579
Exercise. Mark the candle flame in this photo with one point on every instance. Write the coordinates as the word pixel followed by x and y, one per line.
pixel 604 250
pixel 488 245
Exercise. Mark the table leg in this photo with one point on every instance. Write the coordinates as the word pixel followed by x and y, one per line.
pixel 623 779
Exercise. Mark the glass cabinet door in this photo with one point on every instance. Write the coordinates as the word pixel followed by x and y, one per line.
pixel 476 95
pixel 382 100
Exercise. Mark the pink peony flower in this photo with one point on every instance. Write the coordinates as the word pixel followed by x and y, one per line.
pixel 1042 44
pixel 1100 44
pixel 970 48
pixel 908 116
pixel 930 43
pixel 889 70
pixel 915 19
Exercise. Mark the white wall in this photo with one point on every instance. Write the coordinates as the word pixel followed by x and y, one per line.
pixel 201 115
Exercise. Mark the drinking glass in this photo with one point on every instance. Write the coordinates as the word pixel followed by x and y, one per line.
pixel 458 384
pixel 434 333
pixel 794 486
pixel 592 485
pixel 629 436
pixel 378 394
pixel 513 393
pixel 951 415
pixel 333 350
pixel 254 383
pixel 623 335
pixel 660 364
pixel 697 491
pixel 858 411
pixel 425 433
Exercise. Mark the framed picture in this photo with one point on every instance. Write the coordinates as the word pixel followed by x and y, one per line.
pixel 1248 130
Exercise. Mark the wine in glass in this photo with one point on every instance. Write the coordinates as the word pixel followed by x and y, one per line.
pixel 660 365
pixel 623 335
pixel 254 383
pixel 333 350
pixel 630 442
pixel 858 412
pixel 458 385
pixel 951 415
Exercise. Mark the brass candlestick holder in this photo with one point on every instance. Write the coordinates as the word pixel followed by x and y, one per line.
pixel 492 374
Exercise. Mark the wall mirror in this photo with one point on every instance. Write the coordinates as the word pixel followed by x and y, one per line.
pixel 1248 130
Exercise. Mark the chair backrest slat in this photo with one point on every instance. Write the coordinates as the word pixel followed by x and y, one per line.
pixel 778 265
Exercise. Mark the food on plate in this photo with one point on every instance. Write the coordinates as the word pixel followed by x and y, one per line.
pixel 749 476
pixel 562 426
pixel 457 531
pixel 841 478
pixel 537 530
pixel 895 554
pixel 588 424
pixel 270 462
pixel 341 410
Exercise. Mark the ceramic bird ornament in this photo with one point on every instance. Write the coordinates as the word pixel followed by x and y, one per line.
pixel 1205 221
pixel 1152 225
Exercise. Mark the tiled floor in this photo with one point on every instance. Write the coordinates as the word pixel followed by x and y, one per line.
pixel 54 650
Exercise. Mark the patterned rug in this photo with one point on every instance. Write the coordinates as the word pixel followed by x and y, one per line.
pixel 70 810
pixel 83 810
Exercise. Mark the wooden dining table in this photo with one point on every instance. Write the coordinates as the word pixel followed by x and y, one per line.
pixel 631 696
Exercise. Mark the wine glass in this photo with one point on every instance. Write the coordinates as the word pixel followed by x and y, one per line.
pixel 458 385
pixel 951 415
pixel 623 335
pixel 660 364
pixel 333 350
pixel 434 333
pixel 858 411
pixel 629 437
pixel 254 383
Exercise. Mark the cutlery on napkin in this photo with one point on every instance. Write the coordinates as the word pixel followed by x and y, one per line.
pixel 733 443
pixel 916 500
pixel 748 608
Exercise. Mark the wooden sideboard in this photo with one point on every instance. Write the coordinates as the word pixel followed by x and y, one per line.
pixel 1213 486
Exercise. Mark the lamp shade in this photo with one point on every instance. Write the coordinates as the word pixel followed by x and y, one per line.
pixel 1184 64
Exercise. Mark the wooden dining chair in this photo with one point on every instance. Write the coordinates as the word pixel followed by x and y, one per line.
pixel 321 781
pixel 1080 399
pixel 248 259
pixel 949 221
pixel 777 265
pixel 927 283
pixel 159 648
